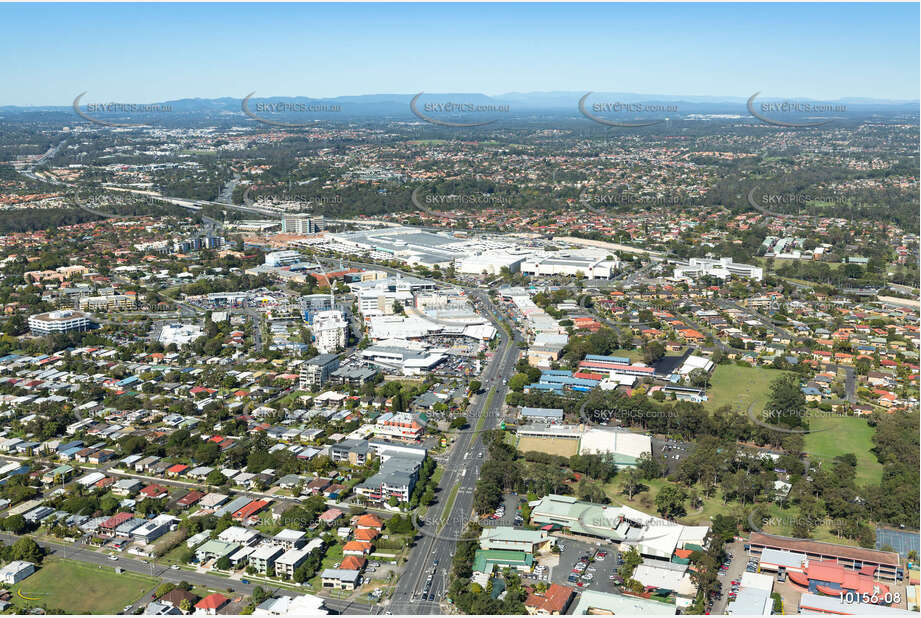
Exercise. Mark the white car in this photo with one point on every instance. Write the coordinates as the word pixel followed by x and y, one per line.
pixel 113 558
pixel 175 567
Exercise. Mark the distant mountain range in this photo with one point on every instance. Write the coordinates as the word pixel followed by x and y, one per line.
pixel 518 102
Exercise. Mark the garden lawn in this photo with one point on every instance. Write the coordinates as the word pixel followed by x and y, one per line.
pixel 81 588
pixel 333 555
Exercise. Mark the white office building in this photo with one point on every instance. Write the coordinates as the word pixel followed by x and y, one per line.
pixel 180 334
pixel 58 322
pixel 282 258
pixel 721 268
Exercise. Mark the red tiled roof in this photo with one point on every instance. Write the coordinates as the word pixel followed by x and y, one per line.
pixel 154 490
pixel 353 563
pixel 331 515
pixel 366 534
pixel 213 601
pixel 191 498
pixel 250 509
pixel 116 520
pixel 555 599
pixel 362 546
pixel 370 520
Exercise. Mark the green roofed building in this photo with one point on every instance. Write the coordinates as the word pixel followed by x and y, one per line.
pixel 215 550
pixel 486 560
pixel 654 537
pixel 59 474
pixel 507 537
pixel 593 602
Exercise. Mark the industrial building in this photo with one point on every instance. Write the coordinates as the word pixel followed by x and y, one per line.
pixel 625 447
pixel 179 334
pixel 16 571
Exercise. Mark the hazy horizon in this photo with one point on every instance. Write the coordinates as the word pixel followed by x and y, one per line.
pixel 152 53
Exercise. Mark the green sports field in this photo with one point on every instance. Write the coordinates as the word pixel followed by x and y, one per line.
pixel 80 588
pixel 740 387
pixel 837 435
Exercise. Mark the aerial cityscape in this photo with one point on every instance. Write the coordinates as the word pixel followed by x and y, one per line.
pixel 462 309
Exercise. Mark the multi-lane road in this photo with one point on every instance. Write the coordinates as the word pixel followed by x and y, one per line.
pixel 437 541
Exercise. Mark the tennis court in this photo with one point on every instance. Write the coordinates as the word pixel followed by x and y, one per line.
pixel 902 541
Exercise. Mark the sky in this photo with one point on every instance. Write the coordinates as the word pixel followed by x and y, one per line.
pixel 142 53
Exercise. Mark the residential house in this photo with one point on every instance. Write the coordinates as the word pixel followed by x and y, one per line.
pixel 554 601
pixel 211 604
pixel 340 579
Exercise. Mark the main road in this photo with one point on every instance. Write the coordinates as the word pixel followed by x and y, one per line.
pixel 441 530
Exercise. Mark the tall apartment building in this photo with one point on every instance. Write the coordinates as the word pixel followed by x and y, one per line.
pixel 315 372
pixel 396 478
pixel 377 296
pixel 195 244
pixel 380 301
pixel 312 304
pixel 302 224
pixel 330 329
